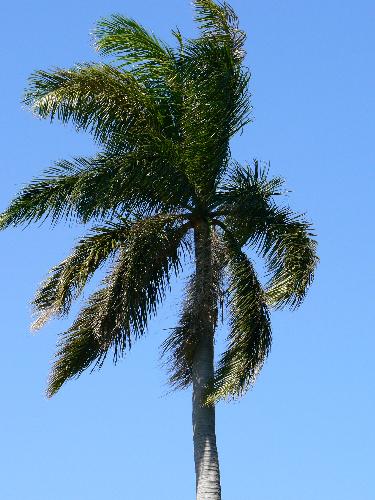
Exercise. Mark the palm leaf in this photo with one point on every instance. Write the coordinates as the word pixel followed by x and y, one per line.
pixel 249 341
pixel 180 346
pixel 67 280
pixel 282 237
pixel 148 59
pixel 70 189
pixel 291 252
pixel 98 187
pixel 131 292
pixel 131 42
pixel 98 98
pixel 216 100
pixel 219 20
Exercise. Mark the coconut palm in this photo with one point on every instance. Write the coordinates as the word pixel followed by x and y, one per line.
pixel 163 187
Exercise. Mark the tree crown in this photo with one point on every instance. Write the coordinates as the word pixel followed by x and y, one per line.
pixel 163 118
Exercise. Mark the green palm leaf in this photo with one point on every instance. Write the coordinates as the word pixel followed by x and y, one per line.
pixel 131 42
pixel 279 235
pixel 67 280
pixel 216 106
pixel 290 249
pixel 131 292
pixel 216 98
pixel 180 346
pixel 152 62
pixel 218 20
pixel 98 187
pixel 249 341
pixel 98 98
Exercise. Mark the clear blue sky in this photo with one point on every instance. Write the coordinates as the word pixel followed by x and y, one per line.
pixel 306 430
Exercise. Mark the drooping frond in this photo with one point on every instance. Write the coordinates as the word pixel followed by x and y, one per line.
pixel 98 98
pixel 282 237
pixel 179 348
pixel 120 310
pixel 250 330
pixel 67 280
pixel 87 188
pixel 290 250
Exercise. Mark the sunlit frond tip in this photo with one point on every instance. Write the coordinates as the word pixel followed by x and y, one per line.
pixel 130 41
pixel 67 280
pixel 220 20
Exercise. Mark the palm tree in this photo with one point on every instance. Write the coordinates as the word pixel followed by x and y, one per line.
pixel 163 186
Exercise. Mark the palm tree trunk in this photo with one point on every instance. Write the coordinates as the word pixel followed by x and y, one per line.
pixel 204 437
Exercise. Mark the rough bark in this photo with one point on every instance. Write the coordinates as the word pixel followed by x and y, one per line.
pixel 205 449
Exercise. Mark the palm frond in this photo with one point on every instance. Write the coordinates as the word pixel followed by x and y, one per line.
pixel 249 184
pixel 219 20
pixel 216 106
pixel 67 280
pixel 154 64
pixel 70 189
pixel 131 42
pixel 120 310
pixel 179 348
pixel 249 341
pixel 98 98
pixel 77 349
pixel 291 252
pixel 87 188
pixel 285 239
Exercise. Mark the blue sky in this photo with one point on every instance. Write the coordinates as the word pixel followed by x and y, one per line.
pixel 306 430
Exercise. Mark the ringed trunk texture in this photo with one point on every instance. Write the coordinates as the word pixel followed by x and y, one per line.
pixel 205 450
